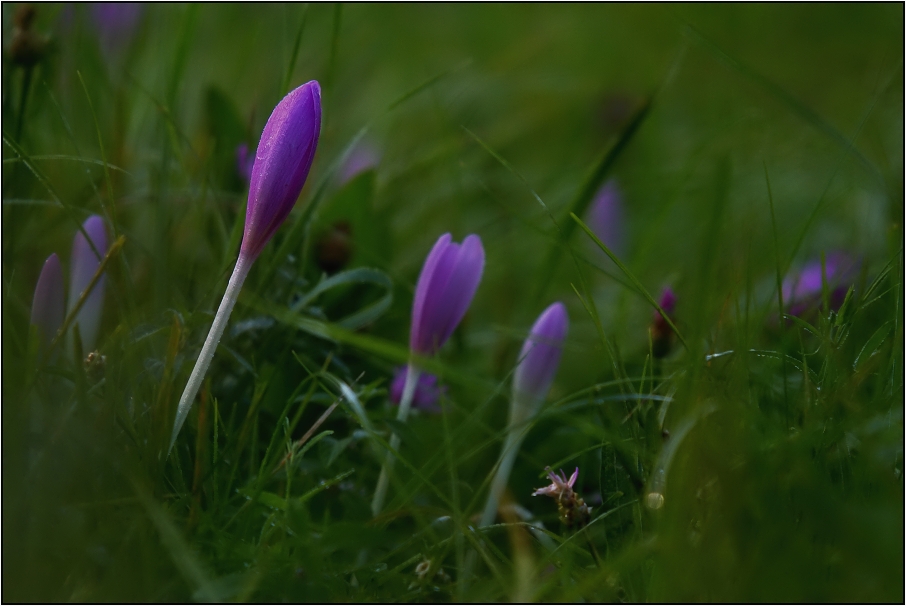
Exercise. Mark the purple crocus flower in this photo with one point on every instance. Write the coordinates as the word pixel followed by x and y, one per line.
pixel 47 308
pixel 538 360
pixel 245 161
pixel 534 374
pixel 445 288
pixel 282 162
pixel 83 265
pixel 802 289
pixel 116 23
pixel 605 216
pixel 427 391
pixel 444 291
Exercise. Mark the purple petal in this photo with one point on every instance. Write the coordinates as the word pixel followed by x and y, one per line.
pixel 540 354
pixel 116 23
pixel 282 162
pixel 362 158
pixel 47 308
pixel 446 287
pixel 572 478
pixel 427 391
pixel 605 216
pixel 245 161
pixel 802 289
pixel 83 265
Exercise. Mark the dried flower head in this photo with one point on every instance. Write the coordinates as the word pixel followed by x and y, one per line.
pixel 573 510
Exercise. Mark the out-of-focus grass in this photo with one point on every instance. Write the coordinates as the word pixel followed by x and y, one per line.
pixel 777 446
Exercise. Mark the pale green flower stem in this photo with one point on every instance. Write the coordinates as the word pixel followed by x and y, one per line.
pixel 240 272
pixel 380 492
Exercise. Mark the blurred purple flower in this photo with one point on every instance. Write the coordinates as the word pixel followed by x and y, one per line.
pixel 83 265
pixel 802 289
pixel 427 391
pixel 605 216
pixel 661 333
pixel 560 487
pixel 116 24
pixel 245 161
pixel 445 289
pixel 282 162
pixel 364 157
pixel 48 304
pixel 538 361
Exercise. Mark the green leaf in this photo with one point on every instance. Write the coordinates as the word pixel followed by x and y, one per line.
pixel 872 346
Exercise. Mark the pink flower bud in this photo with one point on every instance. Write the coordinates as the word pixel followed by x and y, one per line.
pixel 47 308
pixel 83 265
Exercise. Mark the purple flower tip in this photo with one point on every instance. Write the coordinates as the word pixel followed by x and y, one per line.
pixel 605 216
pixel 83 265
pixel 560 487
pixel 245 161
pixel 282 162
pixel 668 301
pixel 802 289
pixel 47 308
pixel 540 354
pixel 427 391
pixel 445 289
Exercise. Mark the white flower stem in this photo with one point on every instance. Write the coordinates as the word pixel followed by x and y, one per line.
pixel 240 272
pixel 498 484
pixel 380 492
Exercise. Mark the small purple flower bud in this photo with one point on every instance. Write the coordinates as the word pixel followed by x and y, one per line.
pixel 802 289
pixel 539 359
pixel 427 391
pixel 445 288
pixel 364 157
pixel 284 157
pixel 245 161
pixel 605 216
pixel 83 265
pixel 661 333
pixel 116 23
pixel 47 308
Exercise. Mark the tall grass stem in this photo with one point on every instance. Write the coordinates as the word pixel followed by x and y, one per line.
pixel 380 492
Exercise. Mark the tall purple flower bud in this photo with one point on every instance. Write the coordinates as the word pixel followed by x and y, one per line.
pixel 538 361
pixel 445 288
pixel 802 289
pixel 605 216
pixel 537 365
pixel 47 308
pixel 364 157
pixel 282 162
pixel 444 291
pixel 83 265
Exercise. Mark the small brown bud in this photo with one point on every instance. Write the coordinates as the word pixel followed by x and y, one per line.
pixel 334 247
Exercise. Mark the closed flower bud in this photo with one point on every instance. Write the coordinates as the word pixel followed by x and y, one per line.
pixel 47 308
pixel 661 333
pixel 284 157
pixel 245 161
pixel 116 24
pixel 445 289
pixel 605 216
pixel 538 362
pixel 83 265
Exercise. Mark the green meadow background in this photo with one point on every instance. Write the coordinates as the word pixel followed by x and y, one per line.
pixel 746 140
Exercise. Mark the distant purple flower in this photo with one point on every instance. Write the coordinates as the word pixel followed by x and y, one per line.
pixel 116 23
pixel 48 305
pixel 245 161
pixel 284 157
pixel 364 157
pixel 427 391
pixel 445 288
pixel 83 265
pixel 802 289
pixel 605 216
pixel 539 359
